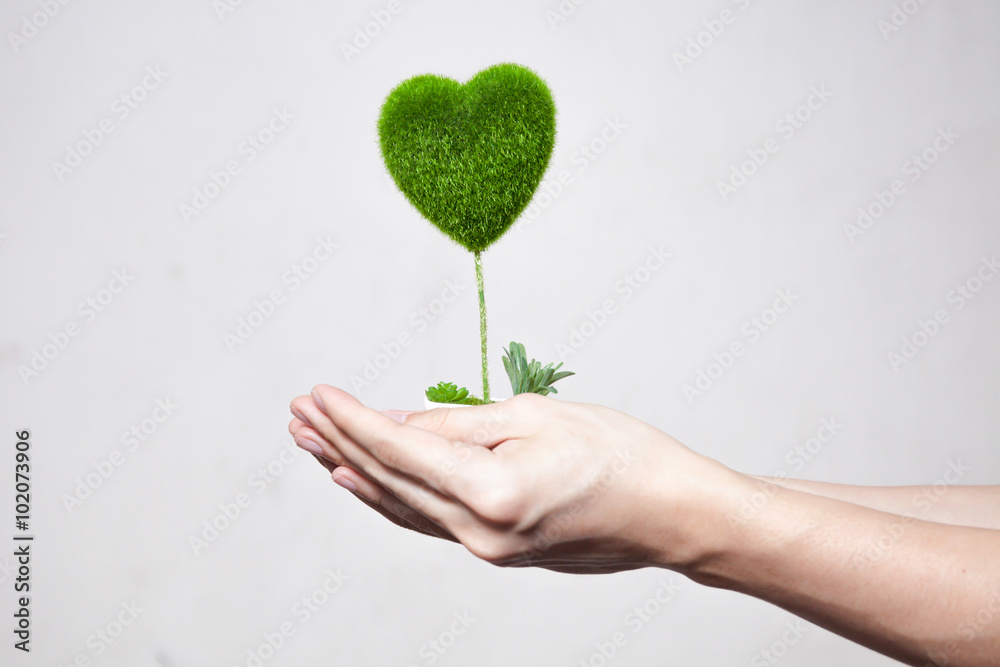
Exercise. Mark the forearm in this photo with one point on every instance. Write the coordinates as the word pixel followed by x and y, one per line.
pixel 972 506
pixel 911 589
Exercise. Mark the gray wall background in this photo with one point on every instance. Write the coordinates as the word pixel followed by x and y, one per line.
pixel 683 129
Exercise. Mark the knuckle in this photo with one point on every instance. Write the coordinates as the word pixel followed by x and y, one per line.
pixel 490 548
pixel 501 503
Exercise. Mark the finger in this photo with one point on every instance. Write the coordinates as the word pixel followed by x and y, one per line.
pixel 295 410
pixel 308 436
pixel 446 466
pixel 389 506
pixel 295 426
pixel 413 492
pixel 308 439
pixel 482 425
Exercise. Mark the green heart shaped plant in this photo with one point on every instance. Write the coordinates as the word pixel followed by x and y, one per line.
pixel 469 157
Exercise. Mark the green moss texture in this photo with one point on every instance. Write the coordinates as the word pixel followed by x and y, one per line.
pixel 469 157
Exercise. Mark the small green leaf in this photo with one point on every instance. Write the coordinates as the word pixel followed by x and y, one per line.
pixel 530 377
pixel 560 376
pixel 447 392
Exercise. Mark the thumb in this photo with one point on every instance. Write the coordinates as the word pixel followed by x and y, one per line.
pixel 484 425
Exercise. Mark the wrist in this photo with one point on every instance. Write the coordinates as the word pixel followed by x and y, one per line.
pixel 701 514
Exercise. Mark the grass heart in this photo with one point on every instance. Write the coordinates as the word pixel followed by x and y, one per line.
pixel 469 157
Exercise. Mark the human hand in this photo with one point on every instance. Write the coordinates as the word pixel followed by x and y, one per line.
pixel 585 489
pixel 529 481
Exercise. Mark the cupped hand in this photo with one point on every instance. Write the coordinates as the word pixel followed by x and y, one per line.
pixel 529 481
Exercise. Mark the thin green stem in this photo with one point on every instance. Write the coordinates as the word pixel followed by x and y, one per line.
pixel 482 326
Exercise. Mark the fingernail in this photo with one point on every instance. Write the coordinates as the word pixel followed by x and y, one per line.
pixel 298 415
pixel 346 483
pixel 395 415
pixel 309 446
pixel 318 401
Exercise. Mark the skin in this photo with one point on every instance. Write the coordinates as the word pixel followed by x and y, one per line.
pixel 536 481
